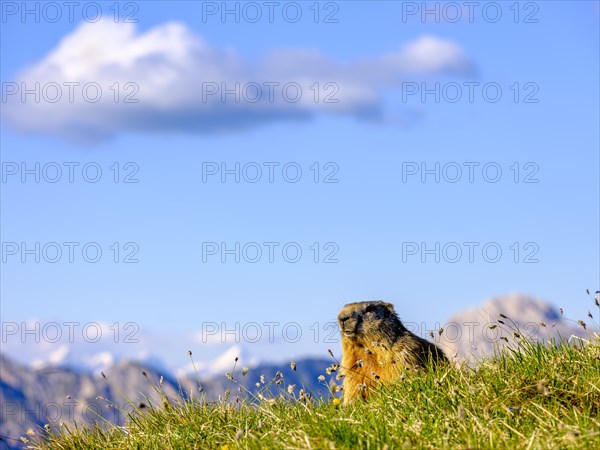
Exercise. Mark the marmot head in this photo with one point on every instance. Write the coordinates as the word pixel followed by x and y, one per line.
pixel 366 322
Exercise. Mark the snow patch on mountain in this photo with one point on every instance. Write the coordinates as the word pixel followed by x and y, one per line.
pixel 221 364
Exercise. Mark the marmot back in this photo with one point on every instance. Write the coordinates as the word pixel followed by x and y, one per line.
pixel 377 347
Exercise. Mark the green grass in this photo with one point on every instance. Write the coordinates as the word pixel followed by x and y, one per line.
pixel 536 397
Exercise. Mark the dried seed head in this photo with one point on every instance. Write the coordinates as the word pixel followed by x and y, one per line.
pixel 189 353
pixel 572 434
pixel 582 324
pixel 339 376
pixel 262 379
pixel 229 377
pixel 543 324
pixel 330 352
pixel 68 397
pixel 460 412
pixel 160 381
pixel 278 382
pixel 375 376
pixel 291 388
pixel 440 331
pixel 236 359
pixel 493 327
pixel 503 316
pixel 103 375
pixel 359 363
pixel 430 334
pixel 293 365
pixel 543 388
pixel 561 311
pixel 144 373
pixel 590 315
pixel 321 378
pixel 257 384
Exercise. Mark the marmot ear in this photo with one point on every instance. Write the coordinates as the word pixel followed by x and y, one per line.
pixel 390 307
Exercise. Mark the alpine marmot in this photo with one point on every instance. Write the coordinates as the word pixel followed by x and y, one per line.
pixel 377 348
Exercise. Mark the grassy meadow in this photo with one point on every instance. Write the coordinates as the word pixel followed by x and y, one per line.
pixel 533 396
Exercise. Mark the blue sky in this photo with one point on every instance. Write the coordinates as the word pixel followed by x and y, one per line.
pixel 368 140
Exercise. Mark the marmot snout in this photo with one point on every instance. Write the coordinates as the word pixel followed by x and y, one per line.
pixel 377 347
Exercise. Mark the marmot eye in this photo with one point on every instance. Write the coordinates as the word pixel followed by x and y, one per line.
pixel 371 308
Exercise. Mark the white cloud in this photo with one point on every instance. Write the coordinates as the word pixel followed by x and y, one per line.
pixel 430 55
pixel 171 72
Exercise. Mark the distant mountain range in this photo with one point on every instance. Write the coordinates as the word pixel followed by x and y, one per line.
pixel 52 391
pixel 32 398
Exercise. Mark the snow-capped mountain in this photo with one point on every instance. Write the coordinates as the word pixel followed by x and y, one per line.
pixel 97 350
pixel 64 356
pixel 480 331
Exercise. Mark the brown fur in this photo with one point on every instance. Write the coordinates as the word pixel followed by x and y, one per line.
pixel 377 348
